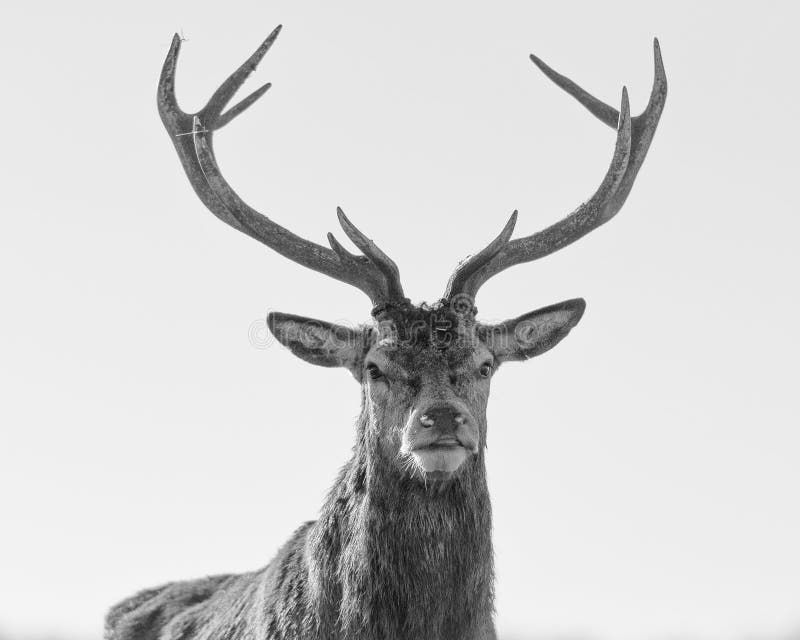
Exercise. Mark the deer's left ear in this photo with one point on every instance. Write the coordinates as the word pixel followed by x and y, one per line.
pixel 534 333
pixel 318 342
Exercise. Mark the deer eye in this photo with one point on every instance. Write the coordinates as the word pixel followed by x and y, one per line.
pixel 373 372
pixel 485 370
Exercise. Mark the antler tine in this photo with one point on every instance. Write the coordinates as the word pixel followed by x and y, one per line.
pixel 222 96
pixel 459 281
pixel 167 103
pixel 386 265
pixel 634 136
pixel 192 136
pixel 234 111
pixel 643 126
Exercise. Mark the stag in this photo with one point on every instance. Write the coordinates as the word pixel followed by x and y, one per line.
pixel 402 546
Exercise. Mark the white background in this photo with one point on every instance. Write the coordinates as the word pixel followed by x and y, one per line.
pixel 644 475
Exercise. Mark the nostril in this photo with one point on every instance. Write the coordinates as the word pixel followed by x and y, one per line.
pixel 445 418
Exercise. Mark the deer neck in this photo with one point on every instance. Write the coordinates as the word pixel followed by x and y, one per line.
pixel 392 557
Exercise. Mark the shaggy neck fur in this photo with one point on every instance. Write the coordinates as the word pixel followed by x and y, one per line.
pixel 394 557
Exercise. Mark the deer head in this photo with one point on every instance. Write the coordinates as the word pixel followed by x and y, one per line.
pixel 425 370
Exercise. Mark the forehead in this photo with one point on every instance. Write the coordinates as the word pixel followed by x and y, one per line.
pixel 420 338
pixel 411 359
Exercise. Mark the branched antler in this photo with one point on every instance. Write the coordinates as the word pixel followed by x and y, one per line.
pixel 374 273
pixel 633 140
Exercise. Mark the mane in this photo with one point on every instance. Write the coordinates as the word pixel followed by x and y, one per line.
pixel 394 557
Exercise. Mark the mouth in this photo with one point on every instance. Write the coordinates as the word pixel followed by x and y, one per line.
pixel 443 455
pixel 445 442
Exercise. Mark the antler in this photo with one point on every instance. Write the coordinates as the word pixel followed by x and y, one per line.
pixel 374 273
pixel 633 140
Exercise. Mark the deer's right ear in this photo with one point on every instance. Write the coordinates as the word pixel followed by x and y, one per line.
pixel 318 342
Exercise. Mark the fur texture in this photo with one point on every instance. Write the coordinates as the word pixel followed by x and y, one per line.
pixel 386 560
pixel 397 553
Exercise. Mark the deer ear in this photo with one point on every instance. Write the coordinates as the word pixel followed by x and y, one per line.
pixel 534 333
pixel 318 342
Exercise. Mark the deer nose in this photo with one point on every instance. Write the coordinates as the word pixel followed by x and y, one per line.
pixel 445 419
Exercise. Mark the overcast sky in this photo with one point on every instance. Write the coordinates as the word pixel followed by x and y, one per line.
pixel 644 474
